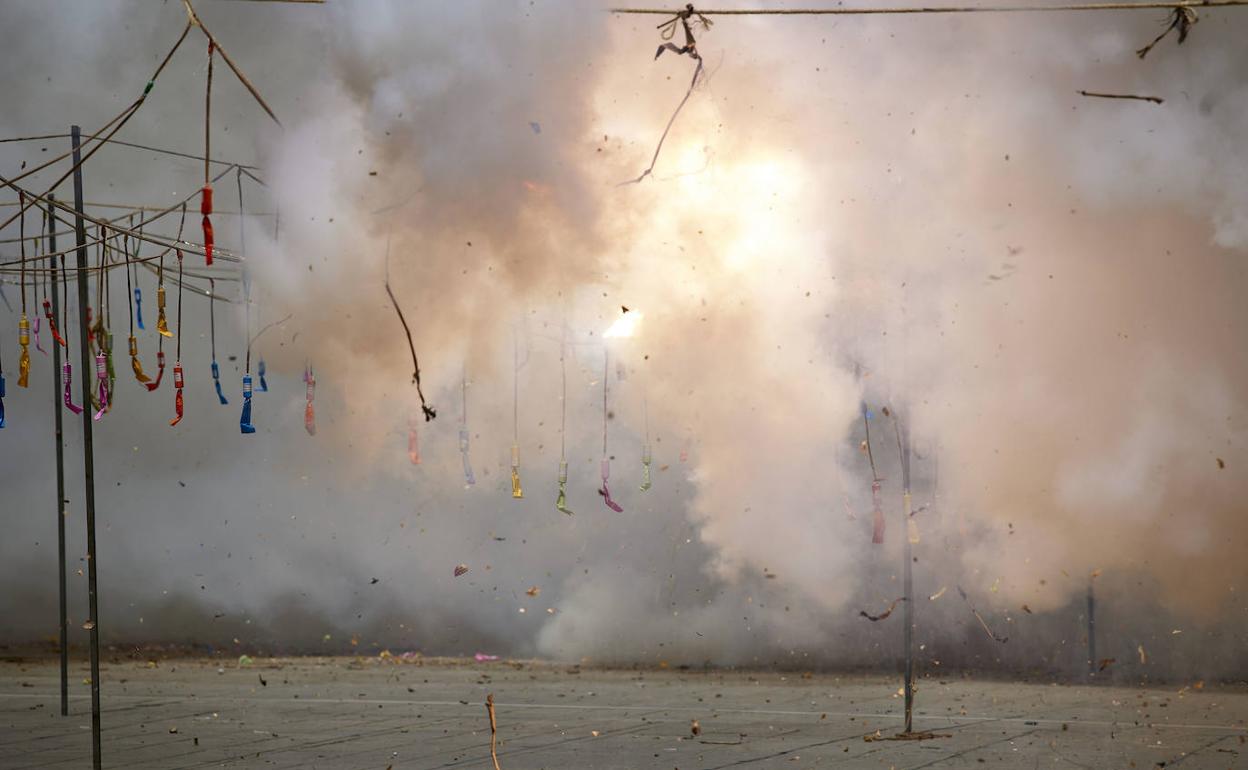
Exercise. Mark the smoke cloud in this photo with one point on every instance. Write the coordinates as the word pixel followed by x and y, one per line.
pixel 921 213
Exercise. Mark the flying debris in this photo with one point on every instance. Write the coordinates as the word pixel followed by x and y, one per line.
pixel 885 613
pixel 429 411
pixel 460 569
pixel 1181 19
pixel 980 618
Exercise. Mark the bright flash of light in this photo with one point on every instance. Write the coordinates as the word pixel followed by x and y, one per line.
pixel 624 326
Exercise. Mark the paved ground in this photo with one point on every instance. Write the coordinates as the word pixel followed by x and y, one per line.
pixel 379 713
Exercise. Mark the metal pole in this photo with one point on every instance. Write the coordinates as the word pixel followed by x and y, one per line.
pixel 907 585
pixel 1091 631
pixel 60 461
pixel 88 455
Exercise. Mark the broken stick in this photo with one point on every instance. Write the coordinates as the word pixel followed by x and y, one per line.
pixel 489 708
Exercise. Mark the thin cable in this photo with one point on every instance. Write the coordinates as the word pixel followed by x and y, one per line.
pixel 207 118
pixel 194 19
pixel 22 228
pixel 1168 4
pixel 195 248
pixel 604 401
pixel 133 145
pixel 126 115
pixel 177 355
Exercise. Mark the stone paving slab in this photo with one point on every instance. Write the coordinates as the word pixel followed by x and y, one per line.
pixel 380 713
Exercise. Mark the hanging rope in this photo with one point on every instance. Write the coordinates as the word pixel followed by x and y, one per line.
pixel 690 49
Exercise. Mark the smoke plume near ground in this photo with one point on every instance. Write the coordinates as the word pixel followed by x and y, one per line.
pixel 919 212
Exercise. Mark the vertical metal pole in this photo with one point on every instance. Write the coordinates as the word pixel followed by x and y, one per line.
pixel 907 585
pixel 1091 631
pixel 60 459
pixel 88 454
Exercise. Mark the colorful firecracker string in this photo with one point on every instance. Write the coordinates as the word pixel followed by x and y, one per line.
pixel 133 298
pixel 178 378
pixel 138 292
pixel 245 425
pixel 205 203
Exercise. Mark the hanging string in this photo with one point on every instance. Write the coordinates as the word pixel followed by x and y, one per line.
pixel 516 491
pixel 205 204
pixel 605 492
pixel 877 512
pixel 23 325
pixel 561 502
pixel 469 478
pixel 645 449
pixel 50 286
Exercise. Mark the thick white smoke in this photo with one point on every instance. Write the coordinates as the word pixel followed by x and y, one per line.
pixel 919 212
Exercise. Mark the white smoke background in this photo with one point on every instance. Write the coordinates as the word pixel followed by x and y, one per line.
pixel 921 212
